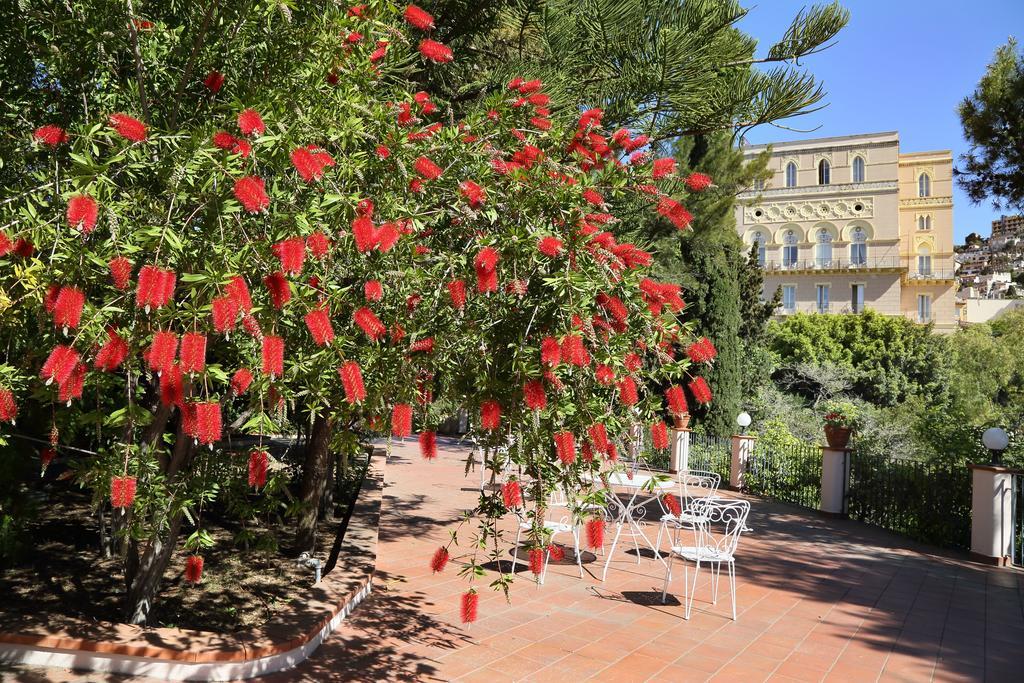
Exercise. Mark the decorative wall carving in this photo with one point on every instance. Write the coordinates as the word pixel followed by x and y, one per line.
pixel 839 208
pixel 844 188
pixel 937 202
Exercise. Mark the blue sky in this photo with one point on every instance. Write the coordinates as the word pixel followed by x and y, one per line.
pixel 898 65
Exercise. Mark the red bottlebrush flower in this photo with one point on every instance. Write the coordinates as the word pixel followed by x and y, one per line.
pixel 412 302
pixel 663 167
pixel 516 288
pixel 557 552
pixel 82 213
pixel 676 399
pixel 595 533
pixel 224 312
pixel 486 264
pixel 550 352
pixel 426 168
pixel 550 246
pixel 122 492
pixel 291 253
pixel 24 248
pixel 241 147
pixel 318 244
pixel 306 164
pixel 473 193
pixel 127 127
pixel 238 290
pixel 698 182
pixel 672 504
pixel 364 233
pixel 536 561
pixel 490 415
pixel 319 323
pixel 422 346
pixel 418 17
pixel 613 306
pixel 428 445
pixel 155 287
pixel 586 452
pixel 258 468
pixel 702 351
pixel 365 208
pixel 250 325
pixel 353 38
pixel 486 281
pixel 439 560
pixel 162 350
pixel 700 390
pixel 249 122
pixel 273 356
pixel 593 197
pixel 598 434
pixel 382 152
pixel 193 352
pixel 214 81
pixel 59 364
pixel 369 323
pixel 540 123
pixel 223 140
pixel 356 11
pixel 659 435
pixel 120 271
pixel 172 386
pixel 72 388
pixel 574 351
pixel 112 353
pixel 6 246
pixel 401 420
pixel 632 362
pixel 387 237
pixel 627 391
pixel 405 115
pixel 240 381
pixel 46 456
pixel 194 569
pixel 565 447
pixel 67 307
pixel 188 419
pixel 533 393
pixel 8 408
pixel 675 212
pixel 604 374
pixel 208 422
pixel 457 292
pixel 468 607
pixel 50 135
pixel 280 292
pixel 373 290
pixel 379 52
pixel 434 51
pixel 512 494
pixel 352 380
pixel 251 192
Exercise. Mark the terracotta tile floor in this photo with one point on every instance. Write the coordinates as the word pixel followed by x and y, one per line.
pixel 818 599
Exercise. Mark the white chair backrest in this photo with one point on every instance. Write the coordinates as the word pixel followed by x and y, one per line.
pixel 698 484
pixel 726 520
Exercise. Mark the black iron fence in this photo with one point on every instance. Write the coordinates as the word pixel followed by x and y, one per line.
pixel 711 454
pixel 1017 547
pixel 926 501
pixel 788 473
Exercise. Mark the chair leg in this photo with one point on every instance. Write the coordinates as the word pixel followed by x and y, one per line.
pixel 657 543
pixel 668 576
pixel 544 570
pixel 716 573
pixel 515 549
pixel 576 547
pixel 636 545
pixel 732 588
pixel 692 590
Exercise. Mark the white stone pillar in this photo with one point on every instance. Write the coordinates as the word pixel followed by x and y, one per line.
pixel 835 479
pixel 679 459
pixel 742 449
pixel 991 513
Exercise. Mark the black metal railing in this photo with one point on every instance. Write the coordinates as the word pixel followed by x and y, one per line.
pixel 925 501
pixel 1017 539
pixel 710 453
pixel 788 473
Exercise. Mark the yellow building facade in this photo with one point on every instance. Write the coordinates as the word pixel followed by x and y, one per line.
pixel 850 223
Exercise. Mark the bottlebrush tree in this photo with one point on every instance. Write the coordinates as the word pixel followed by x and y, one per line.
pixel 265 221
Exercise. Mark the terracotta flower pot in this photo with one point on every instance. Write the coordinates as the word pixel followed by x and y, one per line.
pixel 837 437
pixel 681 421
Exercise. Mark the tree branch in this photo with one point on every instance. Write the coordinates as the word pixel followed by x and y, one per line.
pixel 140 76
pixel 197 44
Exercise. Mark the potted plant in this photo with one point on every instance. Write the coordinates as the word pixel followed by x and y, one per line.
pixel 840 423
pixel 681 420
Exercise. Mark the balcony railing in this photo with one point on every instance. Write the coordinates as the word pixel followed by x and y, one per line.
pixel 804 307
pixel 888 262
pixel 932 275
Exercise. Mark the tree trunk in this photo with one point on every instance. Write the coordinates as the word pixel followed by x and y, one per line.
pixel 149 572
pixel 314 480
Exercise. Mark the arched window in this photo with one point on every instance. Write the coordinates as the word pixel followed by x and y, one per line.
pixel 759 240
pixel 824 248
pixel 924 185
pixel 924 222
pixel 858 247
pixel 924 260
pixel 858 169
pixel 824 172
pixel 791 174
pixel 789 248
pixel 759 184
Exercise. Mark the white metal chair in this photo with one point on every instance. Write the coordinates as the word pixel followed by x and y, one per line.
pixel 715 541
pixel 565 524
pixel 694 485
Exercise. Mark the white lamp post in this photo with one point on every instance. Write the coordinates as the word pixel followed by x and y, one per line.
pixel 996 441
pixel 743 420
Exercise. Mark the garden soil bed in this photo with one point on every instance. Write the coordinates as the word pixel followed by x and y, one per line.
pixel 64 579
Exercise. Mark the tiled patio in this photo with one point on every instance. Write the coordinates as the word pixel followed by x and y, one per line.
pixel 819 599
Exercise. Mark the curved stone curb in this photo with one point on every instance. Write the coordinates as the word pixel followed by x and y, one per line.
pixel 178 655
